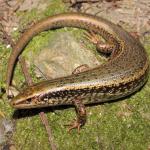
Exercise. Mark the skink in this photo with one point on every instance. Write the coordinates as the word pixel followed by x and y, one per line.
pixel 125 72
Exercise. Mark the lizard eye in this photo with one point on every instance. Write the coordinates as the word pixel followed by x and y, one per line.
pixel 28 101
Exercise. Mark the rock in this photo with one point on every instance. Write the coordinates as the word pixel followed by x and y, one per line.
pixel 63 54
pixel 6 129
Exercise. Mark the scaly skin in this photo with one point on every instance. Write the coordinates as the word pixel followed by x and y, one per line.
pixel 123 74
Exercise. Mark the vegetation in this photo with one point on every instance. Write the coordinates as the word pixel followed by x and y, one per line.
pixel 119 125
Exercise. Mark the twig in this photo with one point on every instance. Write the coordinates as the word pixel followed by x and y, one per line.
pixel 7 38
pixel 25 71
pixel 45 122
pixel 44 76
pixel 42 114
pixel 15 7
pixel 30 82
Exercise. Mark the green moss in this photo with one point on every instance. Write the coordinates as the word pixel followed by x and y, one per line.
pixel 119 125
pixel 29 16
pixel 55 7
pixel 4 54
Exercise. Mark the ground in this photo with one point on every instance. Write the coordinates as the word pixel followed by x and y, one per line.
pixel 119 125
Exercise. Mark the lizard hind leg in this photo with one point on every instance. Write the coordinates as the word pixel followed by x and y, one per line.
pixel 102 47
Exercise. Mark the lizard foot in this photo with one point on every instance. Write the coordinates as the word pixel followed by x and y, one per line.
pixel 74 125
pixel 92 37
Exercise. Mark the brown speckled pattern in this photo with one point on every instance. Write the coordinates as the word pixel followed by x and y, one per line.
pixel 123 74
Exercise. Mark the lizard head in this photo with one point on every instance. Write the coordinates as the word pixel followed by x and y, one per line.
pixel 28 98
pixel 34 97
